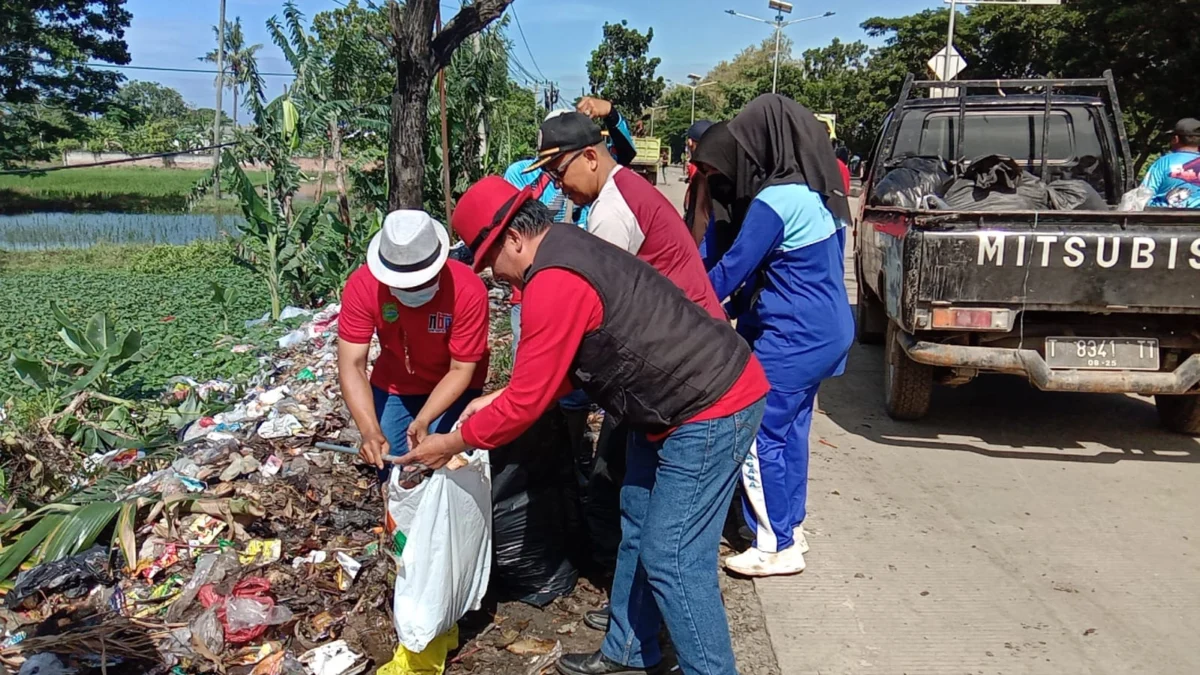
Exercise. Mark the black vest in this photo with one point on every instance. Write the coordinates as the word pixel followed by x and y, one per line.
pixel 657 359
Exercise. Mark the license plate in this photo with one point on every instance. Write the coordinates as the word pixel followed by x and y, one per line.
pixel 1102 353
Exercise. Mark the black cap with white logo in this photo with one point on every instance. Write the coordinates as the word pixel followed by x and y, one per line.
pixel 564 133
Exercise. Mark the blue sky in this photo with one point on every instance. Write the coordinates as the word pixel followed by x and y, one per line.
pixel 689 35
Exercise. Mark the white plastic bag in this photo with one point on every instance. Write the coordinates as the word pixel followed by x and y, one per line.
pixel 1136 199
pixel 445 523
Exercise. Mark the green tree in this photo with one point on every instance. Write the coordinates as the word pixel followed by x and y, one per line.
pixel 44 46
pixel 141 102
pixel 621 72
pixel 241 63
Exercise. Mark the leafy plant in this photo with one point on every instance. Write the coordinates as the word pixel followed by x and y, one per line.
pixel 274 242
pixel 224 297
pixel 101 355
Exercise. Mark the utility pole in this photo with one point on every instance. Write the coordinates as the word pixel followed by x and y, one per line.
pixel 780 8
pixel 220 87
pixel 950 41
pixel 445 133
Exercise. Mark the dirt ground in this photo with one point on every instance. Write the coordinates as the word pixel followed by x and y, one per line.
pixel 514 637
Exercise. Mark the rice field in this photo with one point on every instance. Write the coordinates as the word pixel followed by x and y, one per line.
pixel 48 231
pixel 128 190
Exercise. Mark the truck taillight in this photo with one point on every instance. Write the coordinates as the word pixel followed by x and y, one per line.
pixel 972 319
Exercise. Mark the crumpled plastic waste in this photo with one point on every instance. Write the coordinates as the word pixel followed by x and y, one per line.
pixel 73 577
pixel 244 624
pixel 211 568
pixel 284 426
pixel 334 658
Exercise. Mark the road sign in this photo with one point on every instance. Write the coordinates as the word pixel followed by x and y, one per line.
pixel 938 64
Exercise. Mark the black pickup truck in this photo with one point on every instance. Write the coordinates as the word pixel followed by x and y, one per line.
pixel 1093 300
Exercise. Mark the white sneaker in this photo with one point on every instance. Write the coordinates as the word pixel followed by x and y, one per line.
pixel 800 539
pixel 756 563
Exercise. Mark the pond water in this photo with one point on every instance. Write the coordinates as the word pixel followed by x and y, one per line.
pixel 40 231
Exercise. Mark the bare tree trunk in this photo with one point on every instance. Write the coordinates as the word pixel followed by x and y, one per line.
pixel 235 93
pixel 419 54
pixel 321 177
pixel 1141 143
pixel 339 172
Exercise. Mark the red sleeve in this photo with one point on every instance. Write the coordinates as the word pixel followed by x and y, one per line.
pixel 468 333
pixel 845 175
pixel 356 323
pixel 559 309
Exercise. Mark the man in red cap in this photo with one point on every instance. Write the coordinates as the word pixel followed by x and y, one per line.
pixel 686 384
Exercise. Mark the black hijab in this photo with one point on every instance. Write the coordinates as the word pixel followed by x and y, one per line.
pixel 773 141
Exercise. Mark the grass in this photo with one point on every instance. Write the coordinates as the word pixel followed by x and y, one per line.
pixel 163 291
pixel 129 190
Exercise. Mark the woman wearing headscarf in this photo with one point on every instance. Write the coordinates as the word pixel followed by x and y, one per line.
pixel 773 171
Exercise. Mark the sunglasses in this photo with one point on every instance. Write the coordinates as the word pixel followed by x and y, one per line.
pixel 556 173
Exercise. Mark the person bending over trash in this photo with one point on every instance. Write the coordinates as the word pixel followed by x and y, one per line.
pixel 688 386
pixel 431 317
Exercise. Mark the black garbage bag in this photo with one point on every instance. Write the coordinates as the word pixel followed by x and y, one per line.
pixel 538 533
pixel 909 180
pixel 994 172
pixel 602 507
pixel 73 577
pixel 997 183
pixel 1075 195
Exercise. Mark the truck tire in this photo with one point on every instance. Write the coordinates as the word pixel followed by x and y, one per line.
pixel 870 324
pixel 907 385
pixel 1180 414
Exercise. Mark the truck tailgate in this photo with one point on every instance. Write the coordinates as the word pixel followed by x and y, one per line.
pixel 1081 261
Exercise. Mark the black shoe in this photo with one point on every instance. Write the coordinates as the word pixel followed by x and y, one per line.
pixel 597 619
pixel 599 664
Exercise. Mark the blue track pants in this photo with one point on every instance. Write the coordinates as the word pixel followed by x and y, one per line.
pixel 775 472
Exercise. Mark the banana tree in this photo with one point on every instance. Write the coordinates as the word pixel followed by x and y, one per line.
pixel 274 241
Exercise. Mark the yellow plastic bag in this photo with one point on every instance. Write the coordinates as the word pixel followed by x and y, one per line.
pixel 432 661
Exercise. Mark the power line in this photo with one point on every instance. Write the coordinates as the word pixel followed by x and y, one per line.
pixel 164 69
pixel 521 30
pixel 109 162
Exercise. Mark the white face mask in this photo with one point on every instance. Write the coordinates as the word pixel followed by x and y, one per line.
pixel 415 298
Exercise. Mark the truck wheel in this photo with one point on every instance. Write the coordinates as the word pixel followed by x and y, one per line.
pixel 907 385
pixel 1180 414
pixel 870 324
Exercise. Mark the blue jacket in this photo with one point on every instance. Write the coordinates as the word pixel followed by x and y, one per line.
pixel 788 261
pixel 552 197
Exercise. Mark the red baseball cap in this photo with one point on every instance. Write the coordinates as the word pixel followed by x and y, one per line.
pixel 483 213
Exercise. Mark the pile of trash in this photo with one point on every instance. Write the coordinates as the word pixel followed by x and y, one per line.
pixel 990 183
pixel 254 552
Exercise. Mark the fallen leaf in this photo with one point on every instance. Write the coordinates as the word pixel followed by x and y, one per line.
pixel 531 647
pixel 1090 631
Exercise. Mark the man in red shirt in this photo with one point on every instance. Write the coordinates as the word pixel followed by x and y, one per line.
pixel 431 317
pixel 685 383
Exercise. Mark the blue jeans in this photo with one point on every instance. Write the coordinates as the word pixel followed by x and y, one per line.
pixel 576 400
pixel 396 412
pixel 673 505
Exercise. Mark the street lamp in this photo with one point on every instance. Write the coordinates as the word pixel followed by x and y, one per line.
pixel 696 84
pixel 781 8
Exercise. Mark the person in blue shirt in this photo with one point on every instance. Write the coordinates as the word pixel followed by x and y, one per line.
pixel 620 143
pixel 773 170
pixel 1175 177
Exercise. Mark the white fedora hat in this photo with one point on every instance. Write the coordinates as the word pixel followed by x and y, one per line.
pixel 409 250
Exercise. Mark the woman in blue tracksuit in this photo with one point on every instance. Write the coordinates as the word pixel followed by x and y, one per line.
pixel 773 171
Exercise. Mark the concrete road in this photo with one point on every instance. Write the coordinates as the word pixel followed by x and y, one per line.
pixel 1012 531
